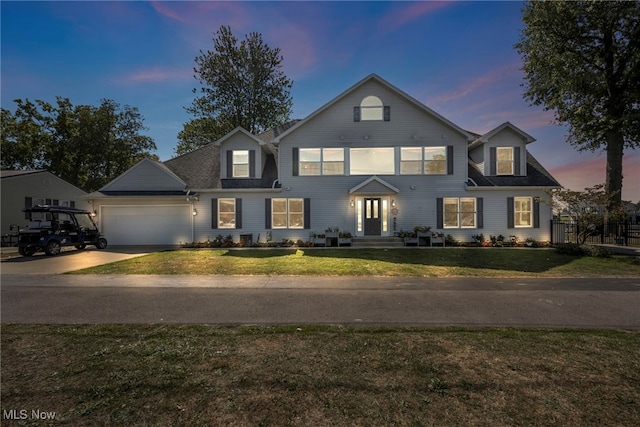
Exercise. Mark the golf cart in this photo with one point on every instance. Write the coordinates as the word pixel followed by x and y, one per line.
pixel 52 227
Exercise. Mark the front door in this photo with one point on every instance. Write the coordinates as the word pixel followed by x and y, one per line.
pixel 372 217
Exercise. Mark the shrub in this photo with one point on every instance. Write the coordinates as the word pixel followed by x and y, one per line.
pixel 575 249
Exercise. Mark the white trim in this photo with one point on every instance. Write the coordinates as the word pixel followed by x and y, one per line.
pixel 371 179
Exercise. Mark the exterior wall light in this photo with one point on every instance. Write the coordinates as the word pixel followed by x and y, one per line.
pixel 393 203
pixel 195 212
pixel 352 203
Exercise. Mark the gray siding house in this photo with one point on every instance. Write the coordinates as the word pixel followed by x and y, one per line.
pixel 373 161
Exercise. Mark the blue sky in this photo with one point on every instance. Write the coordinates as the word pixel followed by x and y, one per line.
pixel 456 57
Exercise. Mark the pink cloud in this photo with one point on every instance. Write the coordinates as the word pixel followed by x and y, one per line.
pixel 296 46
pixel 406 14
pixel 203 13
pixel 580 175
pixel 156 75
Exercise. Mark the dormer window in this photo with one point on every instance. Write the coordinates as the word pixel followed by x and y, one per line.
pixel 240 163
pixel 504 160
pixel 371 109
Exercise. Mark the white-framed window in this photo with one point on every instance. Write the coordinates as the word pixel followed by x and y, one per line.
pixel 333 161
pixel 321 161
pixel 435 160
pixel 240 163
pixel 371 108
pixel 504 161
pixel 310 161
pixel 287 213
pixel 226 213
pixel 372 161
pixel 411 160
pixel 459 212
pixel 423 160
pixel 523 211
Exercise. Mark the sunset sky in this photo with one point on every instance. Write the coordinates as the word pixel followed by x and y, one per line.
pixel 455 57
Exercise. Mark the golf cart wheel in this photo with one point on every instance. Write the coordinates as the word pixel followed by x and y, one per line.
pixel 24 251
pixel 80 247
pixel 53 248
pixel 102 243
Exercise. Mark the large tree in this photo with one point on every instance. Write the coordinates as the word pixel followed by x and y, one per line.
pixel 86 145
pixel 242 84
pixel 582 61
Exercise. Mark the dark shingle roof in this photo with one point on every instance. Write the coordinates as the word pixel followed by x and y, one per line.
pixel 537 176
pixel 199 168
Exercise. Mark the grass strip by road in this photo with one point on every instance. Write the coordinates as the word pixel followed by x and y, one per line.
pixel 450 262
pixel 206 375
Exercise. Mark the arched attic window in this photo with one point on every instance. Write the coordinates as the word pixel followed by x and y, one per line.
pixel 370 109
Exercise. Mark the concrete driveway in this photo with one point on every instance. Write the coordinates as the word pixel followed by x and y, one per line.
pixel 70 259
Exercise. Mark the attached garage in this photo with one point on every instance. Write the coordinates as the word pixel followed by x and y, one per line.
pixel 147 225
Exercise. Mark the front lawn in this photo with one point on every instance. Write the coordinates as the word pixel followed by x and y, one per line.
pixel 450 262
pixel 319 376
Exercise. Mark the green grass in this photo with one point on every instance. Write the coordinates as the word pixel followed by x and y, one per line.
pixel 320 375
pixel 376 262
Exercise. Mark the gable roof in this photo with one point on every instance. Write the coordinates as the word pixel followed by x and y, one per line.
pixel 147 173
pixel 389 86
pixel 506 125
pixel 14 173
pixel 374 185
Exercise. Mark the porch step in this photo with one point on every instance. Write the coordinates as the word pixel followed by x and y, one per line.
pixel 380 242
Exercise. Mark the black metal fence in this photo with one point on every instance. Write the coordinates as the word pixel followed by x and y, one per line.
pixel 611 233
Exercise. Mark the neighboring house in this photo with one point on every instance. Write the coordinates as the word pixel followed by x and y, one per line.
pixel 373 161
pixel 26 188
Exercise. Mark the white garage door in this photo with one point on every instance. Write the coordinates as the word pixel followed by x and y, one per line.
pixel 146 225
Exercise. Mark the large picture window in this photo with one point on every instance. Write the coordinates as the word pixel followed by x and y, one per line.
pixel 372 161
pixel 459 212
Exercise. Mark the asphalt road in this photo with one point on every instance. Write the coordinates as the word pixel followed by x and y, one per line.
pixel 576 303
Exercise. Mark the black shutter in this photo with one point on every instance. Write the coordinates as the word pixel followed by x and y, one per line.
pixel 387 113
pixel 229 164
pixel 492 161
pixel 510 213
pixel 72 204
pixel 439 213
pixel 214 213
pixel 27 204
pixel 56 202
pixel 356 114
pixel 295 161
pixel 267 214
pixel 307 213
pixel 479 212
pixel 47 202
pixel 516 161
pixel 238 213
pixel 536 214
pixel 449 159
pixel 252 163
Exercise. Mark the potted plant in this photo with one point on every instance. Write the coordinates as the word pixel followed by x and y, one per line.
pixel 317 239
pixel 332 232
pixel 437 237
pixel 344 238
pixel 479 239
pixel 423 234
pixel 408 237
pixel 529 241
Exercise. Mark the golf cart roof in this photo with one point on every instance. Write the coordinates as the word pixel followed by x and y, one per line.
pixel 55 209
